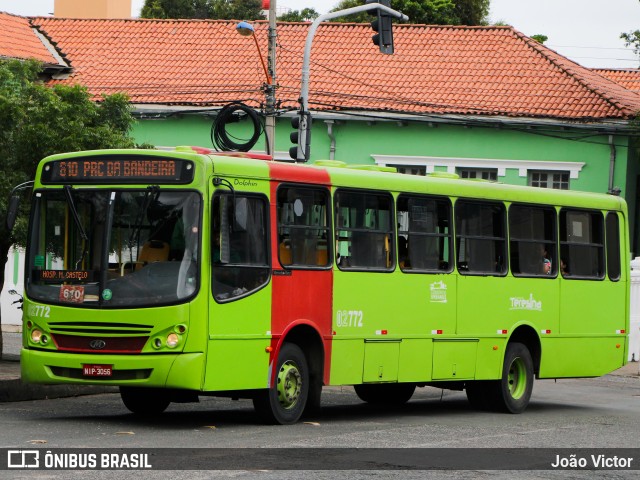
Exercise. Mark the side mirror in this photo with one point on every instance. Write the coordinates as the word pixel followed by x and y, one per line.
pixel 12 212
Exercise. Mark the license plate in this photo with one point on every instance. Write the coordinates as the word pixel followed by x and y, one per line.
pixel 97 370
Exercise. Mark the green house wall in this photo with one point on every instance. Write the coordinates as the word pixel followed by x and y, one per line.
pixel 357 141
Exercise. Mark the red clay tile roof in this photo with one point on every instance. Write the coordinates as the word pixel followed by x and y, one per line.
pixel 17 40
pixel 629 78
pixel 435 70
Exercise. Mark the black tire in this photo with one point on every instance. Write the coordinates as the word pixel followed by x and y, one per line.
pixel 385 393
pixel 145 402
pixel 285 401
pixel 312 409
pixel 513 392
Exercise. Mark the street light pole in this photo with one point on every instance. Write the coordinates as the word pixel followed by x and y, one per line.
pixel 270 90
pixel 304 114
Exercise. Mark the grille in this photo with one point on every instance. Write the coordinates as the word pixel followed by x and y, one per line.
pixel 73 343
pixel 99 328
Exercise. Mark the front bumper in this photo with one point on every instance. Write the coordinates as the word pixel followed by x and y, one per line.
pixel 180 370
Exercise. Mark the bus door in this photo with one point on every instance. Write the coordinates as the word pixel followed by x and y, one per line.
pixel 302 281
pixel 239 312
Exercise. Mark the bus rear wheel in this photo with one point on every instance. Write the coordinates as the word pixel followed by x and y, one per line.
pixel 285 401
pixel 144 401
pixel 513 391
pixel 385 393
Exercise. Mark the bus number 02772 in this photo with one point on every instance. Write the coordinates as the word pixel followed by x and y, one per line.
pixel 349 318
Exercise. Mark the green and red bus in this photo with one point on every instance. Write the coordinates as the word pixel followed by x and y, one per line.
pixel 177 274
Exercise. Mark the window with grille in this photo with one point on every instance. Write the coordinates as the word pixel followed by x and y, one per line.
pixel 411 169
pixel 484 174
pixel 557 180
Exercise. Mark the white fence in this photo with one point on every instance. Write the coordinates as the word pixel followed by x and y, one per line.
pixel 634 327
pixel 13 280
pixel 14 274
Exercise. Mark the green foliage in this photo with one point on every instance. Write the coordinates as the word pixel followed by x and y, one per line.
pixel 632 39
pixel 429 12
pixel 37 121
pixel 540 38
pixel 304 15
pixel 216 9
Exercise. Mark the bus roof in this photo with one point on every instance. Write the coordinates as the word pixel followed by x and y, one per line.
pixel 339 174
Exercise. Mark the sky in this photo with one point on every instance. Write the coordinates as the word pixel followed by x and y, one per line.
pixel 586 31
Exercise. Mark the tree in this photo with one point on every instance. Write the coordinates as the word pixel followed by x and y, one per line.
pixel 429 12
pixel 217 9
pixel 37 121
pixel 304 15
pixel 632 39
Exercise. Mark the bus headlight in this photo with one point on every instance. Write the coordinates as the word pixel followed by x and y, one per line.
pixel 172 340
pixel 36 335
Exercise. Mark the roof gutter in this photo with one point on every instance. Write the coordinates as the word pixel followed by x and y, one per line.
pixel 612 163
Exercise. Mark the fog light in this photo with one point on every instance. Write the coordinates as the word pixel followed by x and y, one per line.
pixel 35 335
pixel 44 339
pixel 157 342
pixel 172 340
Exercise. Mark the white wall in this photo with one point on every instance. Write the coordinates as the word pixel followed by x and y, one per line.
pixel 10 314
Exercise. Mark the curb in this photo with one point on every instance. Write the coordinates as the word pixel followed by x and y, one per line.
pixel 16 391
pixel 12 389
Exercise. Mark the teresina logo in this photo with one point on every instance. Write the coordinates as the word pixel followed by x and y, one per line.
pixel 520 303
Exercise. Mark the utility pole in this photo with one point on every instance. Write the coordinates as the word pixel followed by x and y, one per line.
pixel 270 90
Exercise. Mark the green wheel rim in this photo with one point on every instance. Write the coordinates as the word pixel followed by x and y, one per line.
pixel 517 378
pixel 289 385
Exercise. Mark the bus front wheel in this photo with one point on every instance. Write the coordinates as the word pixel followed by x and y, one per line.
pixel 513 391
pixel 285 401
pixel 144 401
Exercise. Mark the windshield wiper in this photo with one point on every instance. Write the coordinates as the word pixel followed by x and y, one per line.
pixel 76 219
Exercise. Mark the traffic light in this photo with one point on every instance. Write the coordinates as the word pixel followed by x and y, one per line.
pixel 301 138
pixel 382 25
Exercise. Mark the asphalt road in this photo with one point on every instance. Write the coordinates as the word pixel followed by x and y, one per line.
pixel 588 413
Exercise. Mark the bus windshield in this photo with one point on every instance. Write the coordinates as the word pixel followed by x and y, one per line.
pixel 114 248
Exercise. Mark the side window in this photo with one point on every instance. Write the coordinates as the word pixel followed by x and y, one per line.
pixel 613 246
pixel 364 230
pixel 480 237
pixel 239 245
pixel 424 233
pixel 532 241
pixel 303 227
pixel 581 244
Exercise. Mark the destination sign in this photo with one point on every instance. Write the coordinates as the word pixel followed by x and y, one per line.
pixel 58 276
pixel 118 169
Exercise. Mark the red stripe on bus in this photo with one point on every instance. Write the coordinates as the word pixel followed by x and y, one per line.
pixel 293 173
